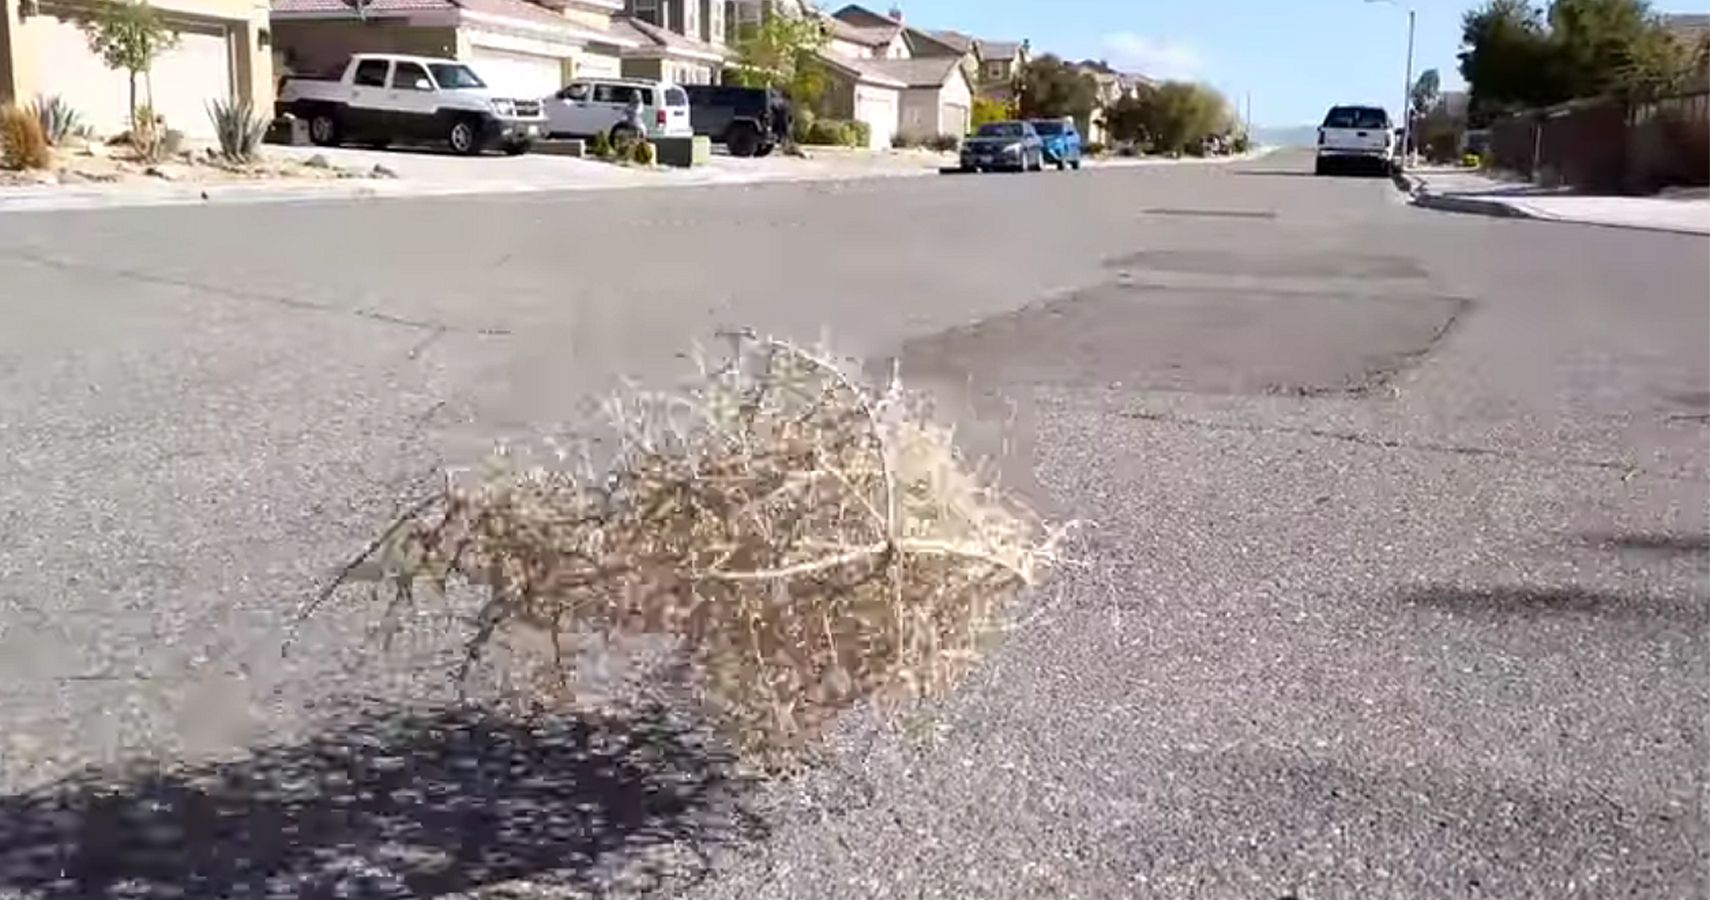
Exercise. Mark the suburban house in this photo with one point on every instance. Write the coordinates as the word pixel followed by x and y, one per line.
pixel 520 48
pixel 676 40
pixel 222 53
pixel 857 89
pixel 936 97
pixel 1000 64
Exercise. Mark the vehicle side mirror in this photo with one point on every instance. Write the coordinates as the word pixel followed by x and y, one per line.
pixel 422 84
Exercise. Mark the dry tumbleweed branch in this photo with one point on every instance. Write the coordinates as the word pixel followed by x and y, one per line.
pixel 809 542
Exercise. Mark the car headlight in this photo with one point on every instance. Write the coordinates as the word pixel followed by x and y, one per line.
pixel 1012 148
pixel 504 107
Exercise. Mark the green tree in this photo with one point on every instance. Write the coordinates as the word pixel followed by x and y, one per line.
pixel 778 53
pixel 129 36
pixel 1515 56
pixel 1126 118
pixel 1425 92
pixel 1048 88
pixel 1178 116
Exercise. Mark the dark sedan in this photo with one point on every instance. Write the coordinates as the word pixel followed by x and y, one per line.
pixel 1004 145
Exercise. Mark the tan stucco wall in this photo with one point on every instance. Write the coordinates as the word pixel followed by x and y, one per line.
pixel 32 48
pixel 652 69
pixel 315 46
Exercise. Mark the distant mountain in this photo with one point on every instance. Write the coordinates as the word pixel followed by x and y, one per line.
pixel 1286 135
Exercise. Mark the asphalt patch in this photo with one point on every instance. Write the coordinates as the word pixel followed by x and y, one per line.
pixel 1270 265
pixel 1201 340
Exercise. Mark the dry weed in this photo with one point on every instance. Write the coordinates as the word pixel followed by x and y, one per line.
pixel 809 543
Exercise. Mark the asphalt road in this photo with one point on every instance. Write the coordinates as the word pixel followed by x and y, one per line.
pixel 1397 587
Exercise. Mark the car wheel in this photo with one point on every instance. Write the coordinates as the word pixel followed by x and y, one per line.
pixel 1319 168
pixel 1062 165
pixel 1076 165
pixel 463 138
pixel 743 141
pixel 323 129
pixel 765 150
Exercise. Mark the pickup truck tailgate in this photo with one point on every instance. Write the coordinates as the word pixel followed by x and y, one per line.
pixel 1355 140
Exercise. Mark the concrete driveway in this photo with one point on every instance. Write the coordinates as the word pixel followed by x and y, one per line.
pixel 1398 585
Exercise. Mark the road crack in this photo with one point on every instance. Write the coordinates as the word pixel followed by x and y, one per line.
pixel 1627 470
pixel 280 300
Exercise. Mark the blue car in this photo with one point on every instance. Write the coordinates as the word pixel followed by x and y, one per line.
pixel 1062 142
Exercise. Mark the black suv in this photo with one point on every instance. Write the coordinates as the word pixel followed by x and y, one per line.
pixel 750 121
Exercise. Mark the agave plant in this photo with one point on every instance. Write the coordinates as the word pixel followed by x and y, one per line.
pixel 59 119
pixel 240 130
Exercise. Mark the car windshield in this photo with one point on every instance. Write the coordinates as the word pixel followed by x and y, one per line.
pixel 1356 117
pixel 452 76
pixel 1002 129
pixel 1045 128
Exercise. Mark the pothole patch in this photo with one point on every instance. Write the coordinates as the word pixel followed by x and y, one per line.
pixel 1327 264
pixel 1217 341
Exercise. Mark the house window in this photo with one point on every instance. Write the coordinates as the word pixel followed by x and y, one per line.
pixel 648 10
pixel 715 21
pixel 996 69
pixel 690 13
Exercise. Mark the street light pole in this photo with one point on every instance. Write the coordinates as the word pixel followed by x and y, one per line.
pixel 1407 96
pixel 1406 89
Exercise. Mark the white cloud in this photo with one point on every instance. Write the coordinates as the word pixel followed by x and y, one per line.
pixel 1152 57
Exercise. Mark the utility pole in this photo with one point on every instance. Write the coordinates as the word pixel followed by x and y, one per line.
pixel 1407 96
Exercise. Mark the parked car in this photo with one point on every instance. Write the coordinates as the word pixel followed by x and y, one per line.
pixel 590 106
pixel 1004 145
pixel 749 121
pixel 380 98
pixel 1061 140
pixel 1355 136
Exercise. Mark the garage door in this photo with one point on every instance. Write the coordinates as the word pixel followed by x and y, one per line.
pixel 184 79
pixel 878 108
pixel 198 70
pixel 517 74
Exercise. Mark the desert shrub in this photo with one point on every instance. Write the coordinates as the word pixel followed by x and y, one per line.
pixel 801 126
pixel 807 541
pixel 905 141
pixel 1128 150
pixel 239 129
pixel 944 143
pixel 149 136
pixel 827 133
pixel 642 153
pixel 1472 161
pixel 1093 148
pixel 600 146
pixel 987 111
pixel 860 134
pixel 623 143
pixel 59 119
pixel 22 144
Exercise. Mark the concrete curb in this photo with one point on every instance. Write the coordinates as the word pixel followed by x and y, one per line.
pixel 1500 208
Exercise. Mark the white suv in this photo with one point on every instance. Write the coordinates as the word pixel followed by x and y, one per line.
pixel 590 106
pixel 1356 136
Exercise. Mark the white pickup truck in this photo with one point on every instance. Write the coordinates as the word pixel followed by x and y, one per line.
pixel 383 97
pixel 1355 136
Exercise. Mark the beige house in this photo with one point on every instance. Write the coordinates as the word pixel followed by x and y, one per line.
pixel 1000 64
pixel 858 90
pixel 222 53
pixel 518 47
pixel 937 100
pixel 676 40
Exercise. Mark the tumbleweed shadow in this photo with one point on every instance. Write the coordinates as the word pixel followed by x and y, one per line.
pixel 391 805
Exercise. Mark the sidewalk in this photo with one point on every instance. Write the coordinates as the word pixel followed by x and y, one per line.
pixel 425 173
pixel 1458 190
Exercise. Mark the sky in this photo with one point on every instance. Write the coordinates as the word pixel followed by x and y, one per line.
pixel 1292 58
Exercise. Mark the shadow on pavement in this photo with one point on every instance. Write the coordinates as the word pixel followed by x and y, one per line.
pixel 1667 544
pixel 1528 601
pixel 394 805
